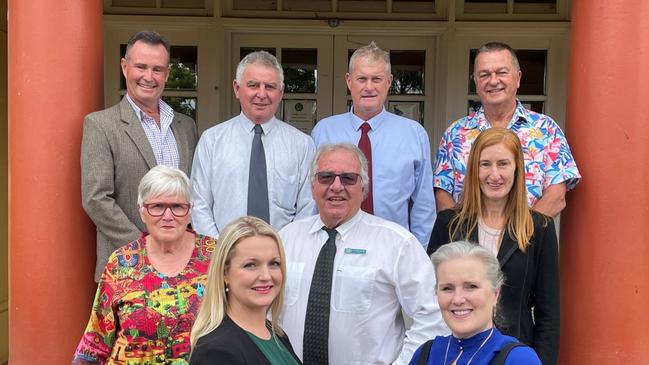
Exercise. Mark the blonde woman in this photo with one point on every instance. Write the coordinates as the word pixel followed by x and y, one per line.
pixel 493 213
pixel 468 285
pixel 245 282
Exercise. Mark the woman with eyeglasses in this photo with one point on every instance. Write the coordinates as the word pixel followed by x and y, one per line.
pixel 151 288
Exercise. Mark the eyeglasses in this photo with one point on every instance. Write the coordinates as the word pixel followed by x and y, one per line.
pixel 159 209
pixel 328 177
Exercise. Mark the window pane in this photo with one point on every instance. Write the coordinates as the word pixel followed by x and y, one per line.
pixel 254 4
pixel 472 54
pixel 307 5
pixel 535 6
pixel 300 70
pixel 408 72
pixel 408 109
pixel 134 3
pixel 413 6
pixel 473 106
pixel 533 66
pixel 183 4
pixel 362 6
pixel 485 6
pixel 182 105
pixel 183 68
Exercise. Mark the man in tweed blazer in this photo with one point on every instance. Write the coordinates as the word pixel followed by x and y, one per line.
pixel 121 143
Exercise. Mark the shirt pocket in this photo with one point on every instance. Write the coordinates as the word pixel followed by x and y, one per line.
pixel 353 288
pixel 294 271
pixel 285 187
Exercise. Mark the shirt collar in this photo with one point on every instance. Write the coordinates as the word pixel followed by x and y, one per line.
pixel 249 125
pixel 374 122
pixel 478 120
pixel 343 229
pixel 473 342
pixel 139 113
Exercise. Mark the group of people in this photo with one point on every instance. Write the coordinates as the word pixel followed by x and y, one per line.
pixel 290 249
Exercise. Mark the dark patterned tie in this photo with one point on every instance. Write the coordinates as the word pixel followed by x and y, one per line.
pixel 257 179
pixel 365 145
pixel 316 322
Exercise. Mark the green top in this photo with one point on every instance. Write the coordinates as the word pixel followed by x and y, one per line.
pixel 273 349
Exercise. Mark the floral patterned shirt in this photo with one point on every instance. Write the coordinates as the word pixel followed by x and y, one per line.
pixel 141 316
pixel 547 156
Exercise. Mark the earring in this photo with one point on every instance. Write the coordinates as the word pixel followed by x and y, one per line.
pixel 227 289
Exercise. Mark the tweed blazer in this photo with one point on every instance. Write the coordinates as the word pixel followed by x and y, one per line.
pixel 115 155
pixel 530 297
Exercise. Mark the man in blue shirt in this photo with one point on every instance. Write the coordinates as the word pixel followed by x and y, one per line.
pixel 397 148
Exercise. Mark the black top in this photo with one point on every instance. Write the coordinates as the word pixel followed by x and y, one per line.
pixel 531 283
pixel 229 344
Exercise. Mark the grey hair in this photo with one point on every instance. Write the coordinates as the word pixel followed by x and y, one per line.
pixel 261 57
pixel 495 47
pixel 370 52
pixel 460 249
pixel 360 156
pixel 149 37
pixel 164 181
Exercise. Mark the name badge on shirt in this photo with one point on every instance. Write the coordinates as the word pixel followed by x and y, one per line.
pixel 355 251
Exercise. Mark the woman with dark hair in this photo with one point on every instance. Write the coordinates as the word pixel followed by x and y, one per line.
pixel 493 213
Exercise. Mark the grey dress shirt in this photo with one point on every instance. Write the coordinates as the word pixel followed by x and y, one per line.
pixel 220 173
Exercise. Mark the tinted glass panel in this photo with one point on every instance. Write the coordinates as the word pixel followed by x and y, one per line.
pixel 408 72
pixel 533 65
pixel 183 4
pixel 362 6
pixel 300 70
pixel 307 5
pixel 135 3
pixel 183 105
pixel 254 4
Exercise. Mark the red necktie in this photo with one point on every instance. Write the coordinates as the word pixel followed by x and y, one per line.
pixel 365 145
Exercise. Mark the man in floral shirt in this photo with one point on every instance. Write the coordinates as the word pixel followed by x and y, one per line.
pixel 550 169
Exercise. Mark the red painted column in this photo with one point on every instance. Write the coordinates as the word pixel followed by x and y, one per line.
pixel 605 227
pixel 55 78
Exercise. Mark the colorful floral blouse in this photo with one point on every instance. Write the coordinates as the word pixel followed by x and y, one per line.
pixel 547 156
pixel 141 316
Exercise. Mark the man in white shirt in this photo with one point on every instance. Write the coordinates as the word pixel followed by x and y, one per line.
pixel 252 164
pixel 378 270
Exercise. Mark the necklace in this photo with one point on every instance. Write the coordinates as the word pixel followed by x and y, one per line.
pixel 448 345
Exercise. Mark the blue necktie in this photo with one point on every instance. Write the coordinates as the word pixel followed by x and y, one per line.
pixel 257 179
